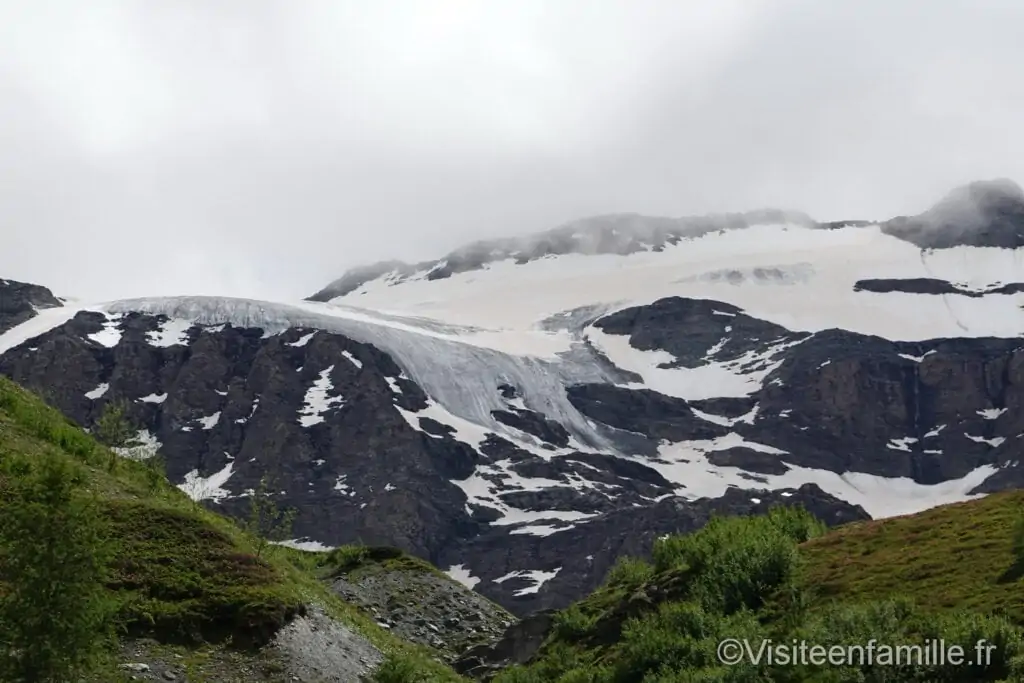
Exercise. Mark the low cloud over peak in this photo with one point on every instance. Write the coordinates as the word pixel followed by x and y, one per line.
pixel 257 148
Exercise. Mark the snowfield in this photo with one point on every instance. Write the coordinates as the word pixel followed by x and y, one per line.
pixel 797 277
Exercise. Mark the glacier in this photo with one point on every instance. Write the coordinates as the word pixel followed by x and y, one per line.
pixel 461 376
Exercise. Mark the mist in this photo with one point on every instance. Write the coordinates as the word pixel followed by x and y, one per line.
pixel 260 148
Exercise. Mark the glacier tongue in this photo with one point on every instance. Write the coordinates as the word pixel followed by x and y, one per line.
pixel 461 376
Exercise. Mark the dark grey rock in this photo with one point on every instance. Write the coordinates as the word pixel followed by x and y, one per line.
pixel 19 301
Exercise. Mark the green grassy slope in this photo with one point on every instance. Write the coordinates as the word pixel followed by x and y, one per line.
pixel 954 556
pixel 181 574
pixel 949 573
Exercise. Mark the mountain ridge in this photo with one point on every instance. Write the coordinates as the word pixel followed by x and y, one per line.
pixel 981 213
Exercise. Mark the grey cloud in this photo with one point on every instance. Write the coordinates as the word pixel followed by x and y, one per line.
pixel 260 148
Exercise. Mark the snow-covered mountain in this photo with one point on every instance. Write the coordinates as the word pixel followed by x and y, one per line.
pixel 524 411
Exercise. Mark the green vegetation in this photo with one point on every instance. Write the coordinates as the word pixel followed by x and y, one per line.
pixel 957 556
pixel 55 615
pixel 170 570
pixel 779 579
pixel 356 560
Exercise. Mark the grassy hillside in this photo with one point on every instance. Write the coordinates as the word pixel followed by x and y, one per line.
pixel 949 573
pixel 184 581
pixel 954 556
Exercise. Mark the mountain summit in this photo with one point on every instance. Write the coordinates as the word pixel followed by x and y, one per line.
pixel 986 213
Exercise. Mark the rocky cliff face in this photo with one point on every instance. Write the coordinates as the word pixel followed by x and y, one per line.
pixel 19 302
pixel 335 423
pixel 351 444
pixel 929 411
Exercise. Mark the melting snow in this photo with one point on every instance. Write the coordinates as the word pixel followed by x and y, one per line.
pixel 173 332
pixel 255 405
pixel 355 361
pixel 916 359
pixel 994 442
pixel 303 340
pixel 340 485
pixel 463 430
pixel 459 573
pixel 737 378
pixel 154 398
pixel 306 544
pixel 538 577
pixel 991 413
pixel 97 392
pixel 317 401
pixel 902 444
pixel 207 488
pixel 210 421
pixel 686 464
pixel 730 421
pixel 110 335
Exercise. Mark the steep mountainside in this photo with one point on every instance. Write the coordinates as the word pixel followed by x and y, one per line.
pixel 521 413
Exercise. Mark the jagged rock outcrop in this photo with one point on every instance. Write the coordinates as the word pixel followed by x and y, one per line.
pixel 20 300
pixel 929 411
pixel 922 285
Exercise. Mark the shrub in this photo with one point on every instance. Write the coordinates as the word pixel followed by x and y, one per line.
pixel 629 572
pixel 679 637
pixel 736 562
pixel 408 667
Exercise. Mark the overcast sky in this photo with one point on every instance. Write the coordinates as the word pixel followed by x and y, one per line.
pixel 259 148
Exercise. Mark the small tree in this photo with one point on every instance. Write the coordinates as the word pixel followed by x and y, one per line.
pixel 55 613
pixel 156 471
pixel 115 431
pixel 267 522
